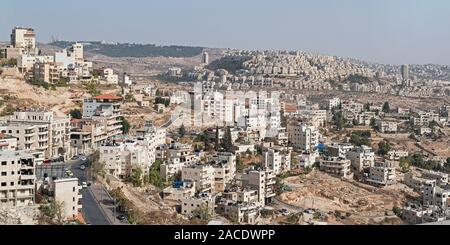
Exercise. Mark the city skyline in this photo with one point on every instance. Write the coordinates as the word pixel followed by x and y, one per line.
pixel 390 32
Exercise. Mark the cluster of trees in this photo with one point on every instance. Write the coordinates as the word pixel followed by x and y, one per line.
pixel 383 148
pixel 229 63
pixel 136 50
pixel 8 63
pixel 125 125
pixel 165 102
pixel 418 160
pixel 338 120
pixel 76 113
pixel 360 138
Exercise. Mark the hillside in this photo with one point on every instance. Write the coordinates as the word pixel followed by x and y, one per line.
pixel 135 50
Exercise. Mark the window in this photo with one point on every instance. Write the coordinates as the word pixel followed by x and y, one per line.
pixel 73 189
pixel 3 173
pixel 3 163
pixel 12 173
pixel 3 184
pixel 12 183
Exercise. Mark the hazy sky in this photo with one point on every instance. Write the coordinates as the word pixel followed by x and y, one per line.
pixel 387 31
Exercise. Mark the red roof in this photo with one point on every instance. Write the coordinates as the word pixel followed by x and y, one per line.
pixel 107 97
pixel 290 108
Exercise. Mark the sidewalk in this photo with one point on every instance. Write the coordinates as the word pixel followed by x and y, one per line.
pixel 101 195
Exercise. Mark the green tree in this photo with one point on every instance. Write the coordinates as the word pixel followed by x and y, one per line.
pixel 182 131
pixel 404 164
pixel 203 212
pixel 339 120
pixel 227 141
pixel 383 148
pixel 136 177
pixel 386 107
pixel 125 125
pixel 367 107
pixel 216 142
pixel 76 113
pixel 155 176
pixel 360 138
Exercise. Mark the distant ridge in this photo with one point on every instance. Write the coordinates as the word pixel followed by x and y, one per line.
pixel 134 50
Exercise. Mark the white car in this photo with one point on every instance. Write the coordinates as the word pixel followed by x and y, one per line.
pixel 82 167
pixel 84 185
pixel 83 158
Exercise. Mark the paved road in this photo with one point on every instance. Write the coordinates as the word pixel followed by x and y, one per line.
pixel 92 212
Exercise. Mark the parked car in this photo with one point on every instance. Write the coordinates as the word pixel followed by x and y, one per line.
pixel 84 185
pixel 121 217
pixel 82 167
pixel 74 158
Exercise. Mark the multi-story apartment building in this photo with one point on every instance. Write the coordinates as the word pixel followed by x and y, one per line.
pixel 278 161
pixel 101 122
pixel 417 183
pixel 24 38
pixel 224 165
pixel 47 72
pixel 382 174
pixel 52 181
pixel 441 178
pixel 177 156
pixel 67 192
pixel 122 157
pixel 201 201
pixel 423 118
pixel 201 175
pixel 38 130
pixel 386 126
pixel 362 158
pixel 263 181
pixel 303 137
pixel 17 178
pixel 336 166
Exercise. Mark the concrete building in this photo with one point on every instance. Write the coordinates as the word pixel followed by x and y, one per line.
pixel 242 213
pixel 177 157
pixel 336 166
pixel 386 126
pixel 201 175
pixel 24 38
pixel 110 77
pixel 201 201
pixel 40 130
pixel 47 72
pixel 441 178
pixel 205 58
pixel 53 181
pixel 178 193
pixel 396 155
pixel 362 158
pixel 121 158
pixel 67 192
pixel 303 137
pixel 17 178
pixel 263 181
pixel 307 160
pixel 382 174
pixel 278 161
pixel 77 51
pixel 417 183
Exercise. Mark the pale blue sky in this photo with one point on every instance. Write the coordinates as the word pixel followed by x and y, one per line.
pixel 387 31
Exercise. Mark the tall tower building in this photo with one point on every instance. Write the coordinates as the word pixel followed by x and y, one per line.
pixel 78 52
pixel 205 58
pixel 24 38
pixel 405 72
